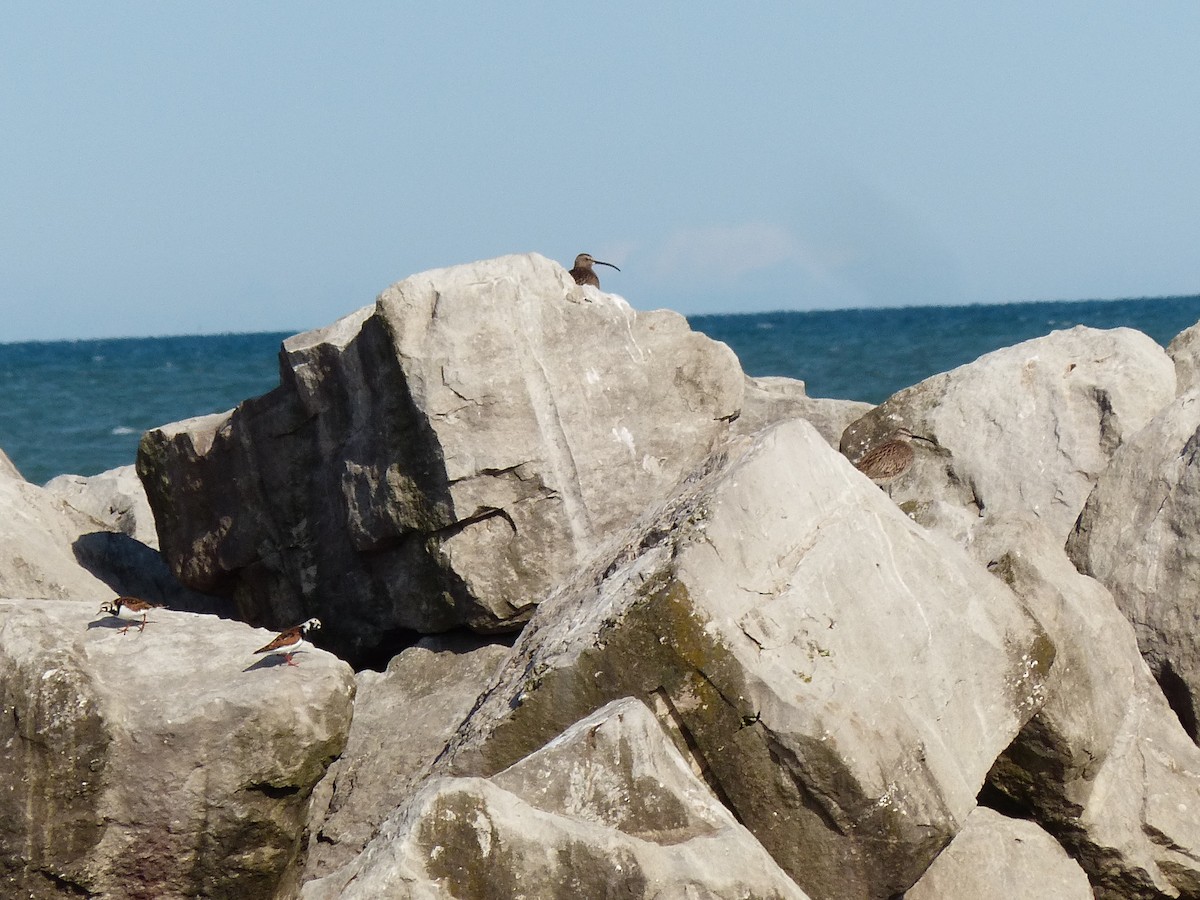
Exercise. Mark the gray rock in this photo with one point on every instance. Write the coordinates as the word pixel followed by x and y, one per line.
pixel 427 690
pixel 165 763
pixel 443 458
pixel 1137 536
pixel 38 532
pixel 609 809
pixel 50 548
pixel 115 497
pixel 7 468
pixel 1104 765
pixel 1184 351
pixel 769 401
pixel 844 678
pixel 1027 429
pixel 997 858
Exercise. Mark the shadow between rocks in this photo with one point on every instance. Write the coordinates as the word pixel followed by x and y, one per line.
pixel 130 568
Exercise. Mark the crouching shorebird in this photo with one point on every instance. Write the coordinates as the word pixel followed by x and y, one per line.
pixel 583 272
pixel 892 458
pixel 130 609
pixel 288 642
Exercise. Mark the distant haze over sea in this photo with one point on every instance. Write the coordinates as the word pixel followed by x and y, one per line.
pixel 82 406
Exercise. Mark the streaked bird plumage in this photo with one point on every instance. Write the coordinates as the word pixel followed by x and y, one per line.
pixel 293 639
pixel 890 459
pixel 583 273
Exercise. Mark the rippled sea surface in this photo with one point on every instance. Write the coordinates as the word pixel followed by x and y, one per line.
pixel 81 406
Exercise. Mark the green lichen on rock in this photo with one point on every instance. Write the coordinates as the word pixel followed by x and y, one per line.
pixel 55 771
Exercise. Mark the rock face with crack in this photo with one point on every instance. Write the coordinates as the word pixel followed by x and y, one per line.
pixel 1137 536
pixel 996 858
pixel 403 719
pixel 844 678
pixel 607 809
pixel 444 458
pixel 1104 766
pixel 157 764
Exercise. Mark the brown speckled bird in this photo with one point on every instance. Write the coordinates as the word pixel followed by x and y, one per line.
pixel 890 459
pixel 583 272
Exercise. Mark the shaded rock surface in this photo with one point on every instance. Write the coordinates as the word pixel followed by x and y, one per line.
pixel 160 764
pixel 997 858
pixel 844 678
pixel 1105 765
pixel 1025 429
pixel 1137 535
pixel 608 809
pixel 403 719
pixel 443 458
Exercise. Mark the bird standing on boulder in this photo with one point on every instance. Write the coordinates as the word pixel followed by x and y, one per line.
pixel 583 273
pixel 130 609
pixel 288 642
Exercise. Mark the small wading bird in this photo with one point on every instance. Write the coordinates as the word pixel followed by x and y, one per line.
pixel 288 642
pixel 583 273
pixel 130 609
pixel 892 458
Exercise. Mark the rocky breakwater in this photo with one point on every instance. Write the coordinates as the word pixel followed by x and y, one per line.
pixel 445 457
pixel 743 669
pixel 163 763
pixel 1076 438
pixel 856 686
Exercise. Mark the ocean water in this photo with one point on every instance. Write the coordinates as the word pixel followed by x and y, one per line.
pixel 82 406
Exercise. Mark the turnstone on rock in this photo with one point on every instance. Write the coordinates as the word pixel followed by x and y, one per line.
pixel 288 642
pixel 130 609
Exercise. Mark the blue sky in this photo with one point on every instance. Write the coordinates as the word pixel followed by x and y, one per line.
pixel 203 167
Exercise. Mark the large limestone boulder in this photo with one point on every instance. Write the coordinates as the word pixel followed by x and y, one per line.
pixel 844 678
pixel 38 534
pixel 115 497
pixel 443 458
pixel 166 763
pixel 997 858
pixel 1027 429
pixel 1184 351
pixel 1137 535
pixel 608 809
pixel 427 690
pixel 1104 765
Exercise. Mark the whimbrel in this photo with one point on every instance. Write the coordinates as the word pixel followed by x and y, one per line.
pixel 890 459
pixel 583 274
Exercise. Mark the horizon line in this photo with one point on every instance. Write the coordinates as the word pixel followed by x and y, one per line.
pixel 757 312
